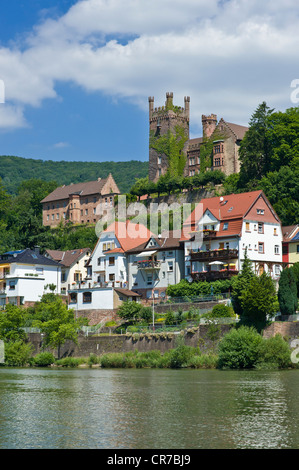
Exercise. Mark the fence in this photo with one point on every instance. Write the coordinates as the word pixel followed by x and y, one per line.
pixel 196 299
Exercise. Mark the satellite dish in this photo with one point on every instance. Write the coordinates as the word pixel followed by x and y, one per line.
pixel 221 199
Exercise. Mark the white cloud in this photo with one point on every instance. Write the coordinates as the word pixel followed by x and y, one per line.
pixel 61 145
pixel 227 56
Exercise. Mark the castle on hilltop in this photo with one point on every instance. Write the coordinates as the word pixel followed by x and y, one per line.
pixel 225 136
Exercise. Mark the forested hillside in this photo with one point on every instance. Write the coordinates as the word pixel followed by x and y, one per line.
pixel 15 170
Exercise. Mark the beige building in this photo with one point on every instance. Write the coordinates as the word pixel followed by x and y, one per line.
pixel 226 138
pixel 80 203
pixel 73 266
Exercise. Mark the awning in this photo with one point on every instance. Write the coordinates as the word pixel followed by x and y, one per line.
pixel 146 253
pixel 216 262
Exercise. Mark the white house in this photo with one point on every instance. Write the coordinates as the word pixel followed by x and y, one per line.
pixel 106 285
pixel 224 228
pixel 155 265
pixel 25 275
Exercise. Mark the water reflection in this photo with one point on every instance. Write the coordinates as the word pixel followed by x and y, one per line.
pixel 153 409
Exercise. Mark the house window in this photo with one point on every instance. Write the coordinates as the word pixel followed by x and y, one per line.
pixel 99 261
pixel 297 248
pixel 87 297
pixel 285 249
pixel 111 261
pixel 260 211
pixel 260 227
pixel 261 247
pixel 170 266
pixel 12 285
pixel 104 247
pixel 275 231
pixel 247 227
pixel 276 249
pixel 112 277
pixel 149 279
pixel 73 298
pixel 63 277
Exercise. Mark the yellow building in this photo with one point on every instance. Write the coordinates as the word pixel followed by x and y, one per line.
pixel 290 244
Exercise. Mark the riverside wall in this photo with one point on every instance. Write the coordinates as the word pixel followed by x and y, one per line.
pixel 206 337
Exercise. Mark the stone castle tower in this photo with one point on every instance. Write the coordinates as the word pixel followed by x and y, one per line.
pixel 162 120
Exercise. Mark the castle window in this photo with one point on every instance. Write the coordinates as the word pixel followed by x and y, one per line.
pixel 217 162
pixel 159 160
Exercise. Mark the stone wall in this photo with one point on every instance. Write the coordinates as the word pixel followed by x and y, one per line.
pixel 96 316
pixel 206 337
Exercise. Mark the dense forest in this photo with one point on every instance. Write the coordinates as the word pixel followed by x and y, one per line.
pixel 15 170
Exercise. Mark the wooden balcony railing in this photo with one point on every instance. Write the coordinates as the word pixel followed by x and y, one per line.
pixel 214 275
pixel 225 254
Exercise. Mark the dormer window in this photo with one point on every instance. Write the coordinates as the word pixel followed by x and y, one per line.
pixel 225 226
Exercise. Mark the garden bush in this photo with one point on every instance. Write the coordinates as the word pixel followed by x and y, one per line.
pixel 44 359
pixel 239 349
pixel 274 353
pixel 17 353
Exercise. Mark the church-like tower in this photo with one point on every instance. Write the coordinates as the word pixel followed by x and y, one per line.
pixel 162 120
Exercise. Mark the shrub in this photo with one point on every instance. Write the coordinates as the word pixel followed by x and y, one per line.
pixel 222 310
pixel 239 349
pixel 169 318
pixel 274 353
pixel 69 362
pixel 93 359
pixel 44 359
pixel 17 353
pixel 180 356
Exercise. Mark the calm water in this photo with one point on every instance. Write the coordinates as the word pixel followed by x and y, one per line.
pixel 148 409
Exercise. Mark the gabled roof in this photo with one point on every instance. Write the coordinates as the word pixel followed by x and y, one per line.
pixel 69 257
pixel 170 241
pixel 238 130
pixel 290 232
pixel 232 209
pixel 83 189
pixel 128 234
pixel 27 256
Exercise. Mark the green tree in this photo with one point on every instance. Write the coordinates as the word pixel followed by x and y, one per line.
pixel 258 301
pixel 255 148
pixel 240 283
pixel 287 292
pixel 130 310
pixel 12 322
pixel 58 323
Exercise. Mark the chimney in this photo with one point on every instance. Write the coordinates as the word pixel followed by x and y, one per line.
pixel 36 250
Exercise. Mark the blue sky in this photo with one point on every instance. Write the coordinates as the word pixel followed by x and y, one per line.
pixel 78 74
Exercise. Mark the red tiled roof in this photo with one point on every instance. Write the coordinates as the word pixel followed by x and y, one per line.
pixel 232 208
pixel 129 234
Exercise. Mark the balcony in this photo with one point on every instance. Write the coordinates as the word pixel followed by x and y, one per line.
pixel 214 275
pixel 148 264
pixel 217 255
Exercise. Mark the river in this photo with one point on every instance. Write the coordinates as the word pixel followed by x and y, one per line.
pixel 148 409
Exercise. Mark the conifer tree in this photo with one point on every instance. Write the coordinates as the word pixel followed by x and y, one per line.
pixel 287 292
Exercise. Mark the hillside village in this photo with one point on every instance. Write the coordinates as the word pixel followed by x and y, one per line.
pixel 129 262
